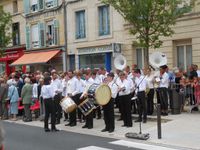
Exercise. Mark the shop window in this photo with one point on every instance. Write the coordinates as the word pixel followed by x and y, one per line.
pixel 35 36
pixel 184 56
pixel 104 20
pixel 92 61
pixel 80 24
pixel 49 3
pixel 16 35
pixel 15 6
pixel 2 67
pixel 140 57
pixel 34 5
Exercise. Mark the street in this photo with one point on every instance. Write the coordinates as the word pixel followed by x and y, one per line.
pixel 23 137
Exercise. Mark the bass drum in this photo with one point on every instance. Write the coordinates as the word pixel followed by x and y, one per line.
pixel 67 104
pixel 101 93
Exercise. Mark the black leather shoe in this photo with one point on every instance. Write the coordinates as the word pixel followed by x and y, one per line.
pixel 111 130
pixel 90 127
pixel 138 120
pixel 123 125
pixel 84 126
pixel 47 130
pixel 54 130
pixel 104 130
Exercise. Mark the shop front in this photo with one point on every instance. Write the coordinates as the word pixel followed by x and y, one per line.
pixel 9 56
pixel 39 60
pixel 95 57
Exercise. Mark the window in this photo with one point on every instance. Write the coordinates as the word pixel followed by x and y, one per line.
pixel 104 20
pixel 80 24
pixel 15 6
pixel 16 37
pixel 34 5
pixel 92 61
pixel 35 36
pixel 184 56
pixel 49 3
pixel 140 57
pixel 52 33
pixel 49 35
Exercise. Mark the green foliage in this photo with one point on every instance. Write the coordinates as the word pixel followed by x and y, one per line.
pixel 5 25
pixel 150 19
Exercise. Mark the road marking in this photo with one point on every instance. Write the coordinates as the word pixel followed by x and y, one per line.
pixel 139 145
pixel 93 148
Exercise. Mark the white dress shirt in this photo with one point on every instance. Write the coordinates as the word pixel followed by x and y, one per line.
pixel 164 80
pixel 35 90
pixel 57 86
pixel 141 83
pixel 72 86
pixel 64 85
pixel 96 80
pixel 114 89
pixel 150 81
pixel 124 84
pixel 80 85
pixel 47 91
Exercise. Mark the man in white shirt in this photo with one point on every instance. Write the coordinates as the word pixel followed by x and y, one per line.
pixel 58 88
pixel 141 99
pixel 124 99
pixel 109 107
pixel 72 91
pixel 162 90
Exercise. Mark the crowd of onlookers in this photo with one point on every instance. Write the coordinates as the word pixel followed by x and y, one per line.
pixel 24 88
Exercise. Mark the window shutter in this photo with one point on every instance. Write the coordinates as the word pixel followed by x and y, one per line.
pixel 41 30
pixel 26 6
pixel 28 44
pixel 56 32
pixel 55 3
pixel 41 4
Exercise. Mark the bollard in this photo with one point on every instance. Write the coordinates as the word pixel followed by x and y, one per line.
pixel 159 121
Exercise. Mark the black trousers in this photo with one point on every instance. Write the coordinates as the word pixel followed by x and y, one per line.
pixel 125 105
pixel 162 98
pixel 89 120
pixel 150 106
pixel 72 115
pixel 58 108
pixel 142 105
pixel 108 111
pixel 49 109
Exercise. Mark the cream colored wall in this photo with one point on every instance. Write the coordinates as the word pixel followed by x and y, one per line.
pixel 16 17
pixel 91 18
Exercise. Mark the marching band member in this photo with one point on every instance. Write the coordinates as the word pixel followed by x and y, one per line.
pixel 58 89
pixel 96 81
pixel 124 99
pixel 89 118
pixel 72 92
pixel 162 90
pixel 140 90
pixel 150 86
pixel 80 87
pixel 47 92
pixel 109 108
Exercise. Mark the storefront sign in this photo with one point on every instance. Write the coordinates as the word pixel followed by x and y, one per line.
pixel 92 50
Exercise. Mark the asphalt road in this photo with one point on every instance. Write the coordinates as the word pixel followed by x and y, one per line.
pixel 22 137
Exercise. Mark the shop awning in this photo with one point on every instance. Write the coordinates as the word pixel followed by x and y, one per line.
pixel 35 58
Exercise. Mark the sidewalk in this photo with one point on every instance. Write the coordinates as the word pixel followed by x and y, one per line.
pixel 178 131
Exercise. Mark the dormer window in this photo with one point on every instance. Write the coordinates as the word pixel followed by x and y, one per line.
pixel 34 5
pixel 49 3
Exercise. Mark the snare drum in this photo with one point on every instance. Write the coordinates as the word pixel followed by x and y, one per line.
pixel 101 93
pixel 67 104
pixel 87 106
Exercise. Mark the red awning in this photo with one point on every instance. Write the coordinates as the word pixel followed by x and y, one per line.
pixel 35 58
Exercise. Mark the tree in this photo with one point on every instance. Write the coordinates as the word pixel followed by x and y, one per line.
pixel 151 19
pixel 5 34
